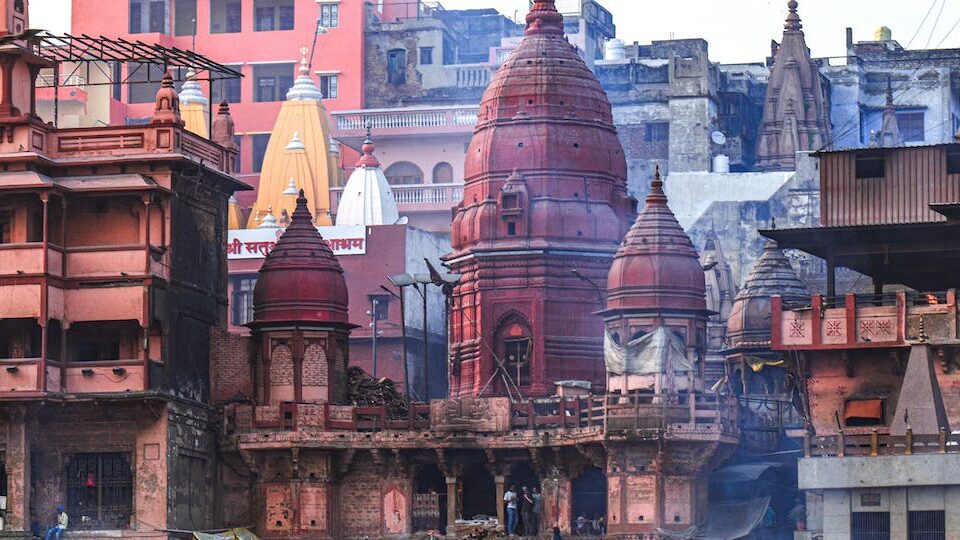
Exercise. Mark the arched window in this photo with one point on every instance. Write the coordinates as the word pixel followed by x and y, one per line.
pixel 403 172
pixel 515 349
pixel 443 173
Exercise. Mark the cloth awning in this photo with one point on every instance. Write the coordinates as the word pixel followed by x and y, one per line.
pixel 732 520
pixel 863 410
pixel 742 473
pixel 656 352
pixel 232 534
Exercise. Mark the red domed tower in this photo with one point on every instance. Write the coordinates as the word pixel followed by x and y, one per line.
pixel 300 318
pixel 545 195
pixel 657 280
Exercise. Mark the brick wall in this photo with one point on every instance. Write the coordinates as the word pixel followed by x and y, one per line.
pixel 360 500
pixel 231 358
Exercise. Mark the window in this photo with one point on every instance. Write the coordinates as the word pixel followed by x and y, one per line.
pixel 260 141
pixel 272 15
pixel 910 125
pixel 225 16
pixel 116 70
pixel 185 18
pixel 927 525
pixel 241 302
pixel 237 143
pixel 870 526
pixel 397 66
pixel 329 86
pixel 863 412
pixel 35 226
pixel 329 15
pixel 953 160
pixel 271 81
pixel 511 228
pixel 426 56
pixel 6 226
pixel 870 165
pixel 143 81
pixel 403 172
pixel 656 132
pixel 516 359
pixel 379 306
pixel 226 89
pixel 148 16
pixel 443 173
pixel 99 490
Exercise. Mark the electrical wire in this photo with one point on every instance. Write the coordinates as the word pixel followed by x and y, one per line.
pixel 935 22
pixel 925 17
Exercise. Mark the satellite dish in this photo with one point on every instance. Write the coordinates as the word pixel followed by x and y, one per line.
pixel 718 138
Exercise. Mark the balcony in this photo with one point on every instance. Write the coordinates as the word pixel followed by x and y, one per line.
pixel 614 415
pixel 350 126
pixel 415 198
pixel 114 142
pixel 120 260
pixel 865 321
pixel 111 376
pixel 27 259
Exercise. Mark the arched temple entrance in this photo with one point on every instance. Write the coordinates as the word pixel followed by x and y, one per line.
pixel 477 492
pixel 589 496
pixel 429 500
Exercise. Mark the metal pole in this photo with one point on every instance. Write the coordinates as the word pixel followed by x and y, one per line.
pixel 403 336
pixel 426 353
pixel 373 314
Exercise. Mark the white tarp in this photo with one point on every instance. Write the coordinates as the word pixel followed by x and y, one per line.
pixel 656 352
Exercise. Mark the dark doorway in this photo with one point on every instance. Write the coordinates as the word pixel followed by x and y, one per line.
pixel 478 493
pixel 430 500
pixel 523 477
pixel 589 495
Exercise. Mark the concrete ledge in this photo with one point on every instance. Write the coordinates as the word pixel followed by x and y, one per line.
pixel 879 471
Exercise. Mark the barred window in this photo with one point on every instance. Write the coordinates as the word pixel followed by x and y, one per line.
pixel 99 490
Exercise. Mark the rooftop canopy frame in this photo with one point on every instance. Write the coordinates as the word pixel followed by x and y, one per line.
pixel 81 53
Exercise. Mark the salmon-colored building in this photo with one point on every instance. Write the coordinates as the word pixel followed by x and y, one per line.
pixel 879 372
pixel 111 277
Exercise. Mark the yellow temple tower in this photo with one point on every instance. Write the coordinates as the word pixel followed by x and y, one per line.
pixel 194 106
pixel 298 150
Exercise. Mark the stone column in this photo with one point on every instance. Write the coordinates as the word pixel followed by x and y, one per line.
pixel 501 512
pixel 556 489
pixel 451 504
pixel 18 470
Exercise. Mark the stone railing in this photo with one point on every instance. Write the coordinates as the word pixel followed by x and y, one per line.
pixel 864 321
pixel 411 198
pixel 353 123
pixel 880 444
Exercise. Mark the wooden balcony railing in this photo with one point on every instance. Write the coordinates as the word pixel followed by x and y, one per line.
pixel 613 413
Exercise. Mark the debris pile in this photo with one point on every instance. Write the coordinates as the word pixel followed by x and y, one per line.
pixel 365 391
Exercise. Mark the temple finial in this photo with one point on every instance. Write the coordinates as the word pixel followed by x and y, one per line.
pixel 793 20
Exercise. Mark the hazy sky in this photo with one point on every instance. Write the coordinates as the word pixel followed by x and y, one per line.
pixel 737 30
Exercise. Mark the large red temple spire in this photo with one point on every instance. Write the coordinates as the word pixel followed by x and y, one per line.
pixel 301 280
pixel 544 193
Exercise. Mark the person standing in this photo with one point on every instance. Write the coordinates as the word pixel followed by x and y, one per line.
pixel 56 532
pixel 537 508
pixel 510 497
pixel 526 512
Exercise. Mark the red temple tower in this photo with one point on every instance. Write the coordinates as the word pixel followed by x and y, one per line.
pixel 300 318
pixel 545 206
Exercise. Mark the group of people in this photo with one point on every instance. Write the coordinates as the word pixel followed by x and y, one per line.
pixel 523 509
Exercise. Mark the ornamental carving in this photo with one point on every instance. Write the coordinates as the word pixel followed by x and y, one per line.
pixel 483 415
